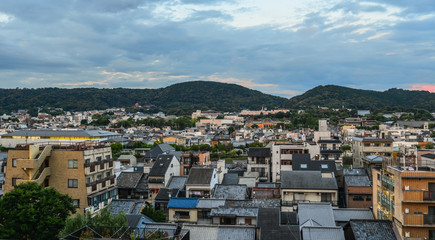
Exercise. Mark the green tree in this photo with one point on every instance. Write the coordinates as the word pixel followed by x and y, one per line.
pixel 254 126
pixel 116 147
pixel 429 145
pixel 104 221
pixel 31 211
pixel 156 215
pixel 84 122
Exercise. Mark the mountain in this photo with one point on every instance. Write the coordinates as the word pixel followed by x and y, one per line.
pixel 181 98
pixel 336 97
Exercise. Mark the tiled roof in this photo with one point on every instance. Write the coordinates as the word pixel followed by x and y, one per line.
pixel 186 203
pixel 206 203
pixel 324 233
pixel 161 165
pixel 233 212
pixel 259 152
pixel 372 229
pixel 306 180
pixel 354 172
pixel 315 214
pixel 230 178
pixel 220 232
pixel 200 176
pixel 177 182
pixel 357 181
pixel 231 192
pixel 129 179
pixel 163 194
pixel 346 214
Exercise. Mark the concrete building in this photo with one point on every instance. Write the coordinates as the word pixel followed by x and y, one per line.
pixel 406 197
pixel 282 155
pixel 259 161
pixel 84 172
pixel 362 147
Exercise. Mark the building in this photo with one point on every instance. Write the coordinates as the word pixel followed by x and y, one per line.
pixel 362 147
pixel 330 150
pixel 406 197
pixel 54 137
pixel 183 210
pixel 132 185
pixel 176 139
pixel 165 167
pixel 358 191
pixel 260 160
pixel 200 182
pixel 307 187
pixel 191 159
pixel 84 172
pixel 282 155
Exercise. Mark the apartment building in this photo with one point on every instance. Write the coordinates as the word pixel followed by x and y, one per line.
pixel 191 159
pixel 406 197
pixel 362 147
pixel 259 160
pixel 84 172
pixel 282 155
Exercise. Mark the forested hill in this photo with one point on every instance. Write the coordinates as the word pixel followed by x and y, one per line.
pixel 181 98
pixel 336 96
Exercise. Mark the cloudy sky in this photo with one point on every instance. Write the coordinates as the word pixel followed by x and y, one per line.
pixel 278 47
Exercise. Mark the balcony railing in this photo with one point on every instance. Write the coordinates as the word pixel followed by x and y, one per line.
pixel 112 177
pixel 419 219
pixel 94 163
pixel 295 202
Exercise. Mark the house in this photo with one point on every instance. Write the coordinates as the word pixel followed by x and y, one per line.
pixel 183 209
pixel 302 162
pixel 132 185
pixel 164 148
pixel 175 139
pixel 235 215
pixel 358 191
pixel 191 159
pixel 273 225
pixel 127 206
pixel 204 206
pixel 218 232
pixel 316 221
pixel 259 160
pixel 165 167
pixel 330 150
pixel 200 182
pixel 307 186
pixel 342 216
pixel 265 191
pixel 129 160
pixel 162 198
pixel 370 162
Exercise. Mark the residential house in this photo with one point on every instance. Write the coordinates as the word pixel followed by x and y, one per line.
pixel 191 159
pixel 165 167
pixel 259 160
pixel 235 215
pixel 204 206
pixel 175 139
pixel 162 198
pixel 362 147
pixel 230 192
pixel 358 191
pixel 316 221
pixel 330 150
pixel 307 186
pixel 370 229
pixel 183 210
pixel 200 182
pixel 132 185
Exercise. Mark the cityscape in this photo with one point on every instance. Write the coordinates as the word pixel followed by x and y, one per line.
pixel 217 120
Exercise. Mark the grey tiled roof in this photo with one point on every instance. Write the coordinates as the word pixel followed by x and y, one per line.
pixel 129 179
pixel 177 182
pixel 316 214
pixel 346 214
pixel 220 232
pixel 161 165
pixel 270 227
pixel 163 194
pixel 233 212
pixel 260 203
pixel 126 206
pixel 206 203
pixel 159 149
pixel 357 181
pixel 231 192
pixel 372 229
pixel 259 152
pixel 312 165
pixel 306 180
pixel 200 176
pixel 354 172
pixel 230 178
pixel 324 233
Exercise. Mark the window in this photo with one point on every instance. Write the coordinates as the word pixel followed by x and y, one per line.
pixel 73 163
pixel 182 214
pixel 94 187
pixel 93 168
pixel 73 183
pixel 303 165
pixel 14 162
pixel 324 166
pixel 107 157
pixel 14 181
pixel 366 144
pixel 98 159
pixel 88 180
pixel 87 161
pixel 387 145
pixel 107 174
pixel 358 198
pixel 368 198
pixel 98 177
pixel 76 203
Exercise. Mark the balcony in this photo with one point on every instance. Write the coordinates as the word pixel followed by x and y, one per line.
pixel 419 196
pixel 295 202
pixel 419 220
pixel 94 163
pixel 112 177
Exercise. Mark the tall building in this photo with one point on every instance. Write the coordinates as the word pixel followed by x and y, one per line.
pixel 84 172
pixel 406 197
pixel 362 147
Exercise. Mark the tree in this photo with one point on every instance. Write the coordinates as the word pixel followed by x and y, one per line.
pixel 156 215
pixel 104 221
pixel 116 147
pixel 429 145
pixel 254 126
pixel 31 211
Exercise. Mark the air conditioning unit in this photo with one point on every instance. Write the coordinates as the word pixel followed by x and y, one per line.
pixel 407 234
pixel 406 210
pixel 406 188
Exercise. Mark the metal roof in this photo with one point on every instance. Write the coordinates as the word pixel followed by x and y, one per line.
pixel 357 181
pixel 307 180
pixel 187 203
pixel 62 133
pixel 231 192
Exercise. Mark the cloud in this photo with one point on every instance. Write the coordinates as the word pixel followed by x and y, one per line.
pixel 288 93
pixel 249 83
pixel 424 87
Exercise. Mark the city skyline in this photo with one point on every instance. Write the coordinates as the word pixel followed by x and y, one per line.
pixel 279 47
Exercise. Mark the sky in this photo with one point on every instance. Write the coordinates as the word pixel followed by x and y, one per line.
pixel 278 47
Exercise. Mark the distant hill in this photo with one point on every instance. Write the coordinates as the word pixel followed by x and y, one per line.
pixel 336 96
pixel 181 98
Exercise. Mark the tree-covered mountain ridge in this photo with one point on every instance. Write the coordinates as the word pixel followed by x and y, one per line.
pixel 186 97
pixel 333 96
